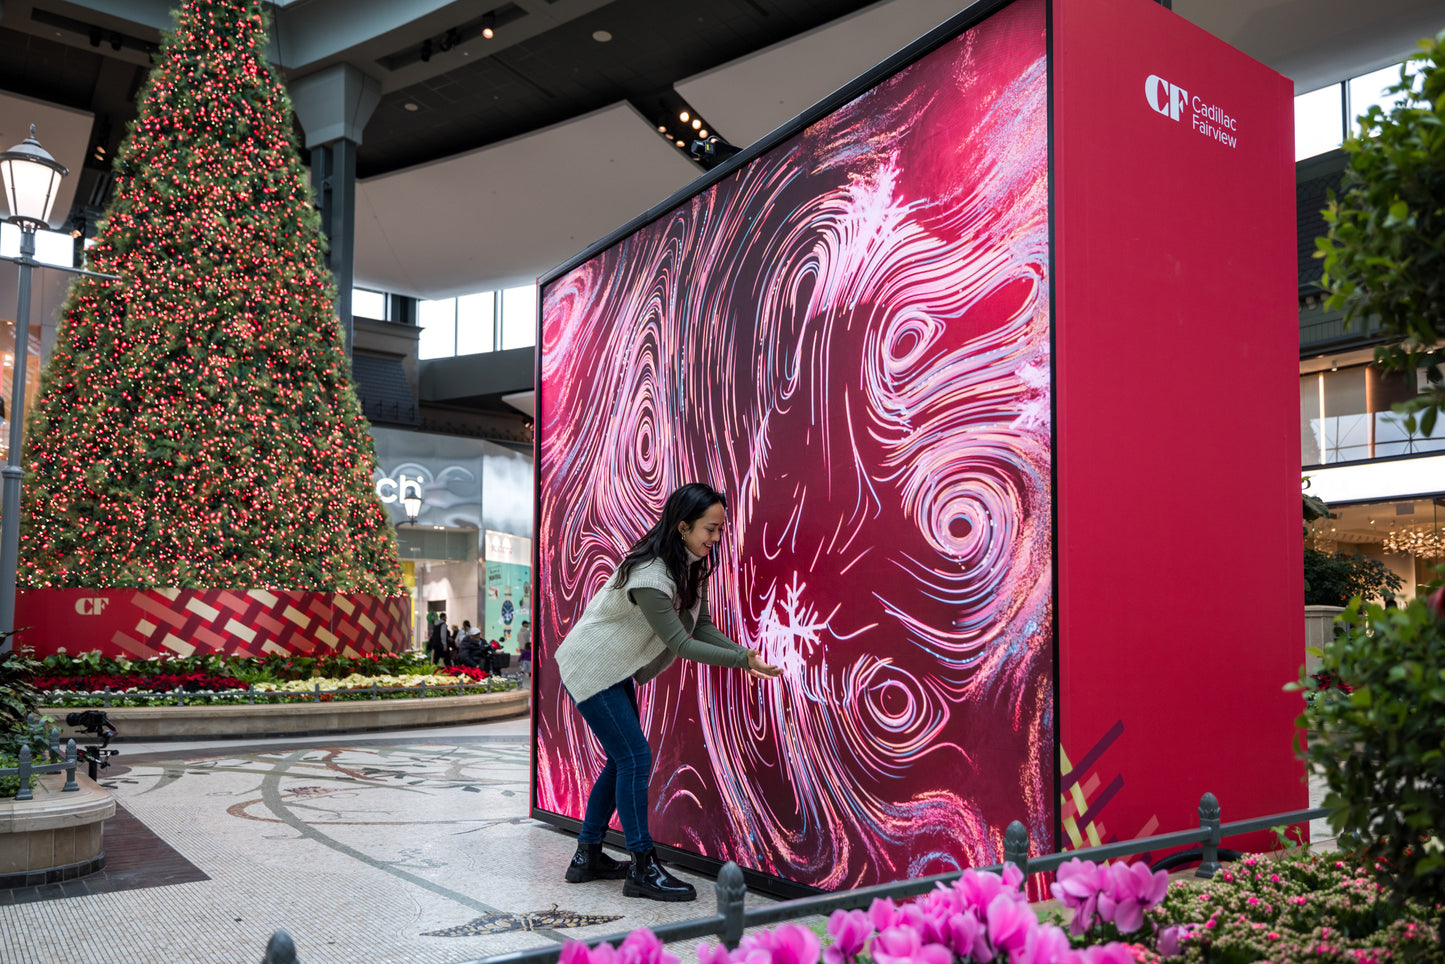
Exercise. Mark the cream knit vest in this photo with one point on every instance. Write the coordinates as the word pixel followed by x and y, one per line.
pixel 613 640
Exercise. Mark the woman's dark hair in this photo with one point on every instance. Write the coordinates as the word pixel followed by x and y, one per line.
pixel 686 504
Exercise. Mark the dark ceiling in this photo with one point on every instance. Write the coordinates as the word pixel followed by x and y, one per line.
pixel 75 56
pixel 564 73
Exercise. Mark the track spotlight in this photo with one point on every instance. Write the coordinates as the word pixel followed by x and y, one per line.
pixel 115 41
pixel 712 151
pixel 425 52
pixel 450 40
pixel 489 25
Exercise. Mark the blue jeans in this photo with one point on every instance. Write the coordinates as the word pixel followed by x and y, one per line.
pixel 621 787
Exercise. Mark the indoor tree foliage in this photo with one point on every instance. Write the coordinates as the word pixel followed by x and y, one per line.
pixel 1382 747
pixel 1333 578
pixel 196 425
pixel 1385 253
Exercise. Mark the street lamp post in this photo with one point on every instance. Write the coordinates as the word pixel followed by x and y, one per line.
pixel 31 178
pixel 412 505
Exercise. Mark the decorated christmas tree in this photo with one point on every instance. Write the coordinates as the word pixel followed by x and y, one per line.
pixel 196 425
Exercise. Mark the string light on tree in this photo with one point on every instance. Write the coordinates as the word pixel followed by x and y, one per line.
pixel 196 424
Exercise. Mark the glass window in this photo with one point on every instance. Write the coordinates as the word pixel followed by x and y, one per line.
pixel 51 247
pixel 368 304
pixel 438 320
pixel 476 323
pixel 1345 416
pixel 519 317
pixel 1369 89
pixel 1346 425
pixel 1391 435
pixel 1318 121
pixel 1311 428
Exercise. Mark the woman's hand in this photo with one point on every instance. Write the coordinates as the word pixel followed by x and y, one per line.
pixel 760 669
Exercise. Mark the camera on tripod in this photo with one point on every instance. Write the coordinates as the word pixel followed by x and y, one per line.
pixel 95 722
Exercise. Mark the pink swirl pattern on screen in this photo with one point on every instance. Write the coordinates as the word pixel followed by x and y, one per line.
pixel 850 337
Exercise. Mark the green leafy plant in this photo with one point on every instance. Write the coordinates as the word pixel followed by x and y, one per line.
pixel 1385 253
pixel 1332 579
pixel 18 698
pixel 1321 908
pixel 1381 746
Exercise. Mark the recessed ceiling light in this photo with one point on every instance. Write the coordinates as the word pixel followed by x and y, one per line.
pixel 696 123
pixel 683 116
pixel 662 128
pixel 411 105
pixel 601 36
pixel 702 134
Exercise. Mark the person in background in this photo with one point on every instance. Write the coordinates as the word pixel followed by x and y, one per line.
pixel 436 643
pixel 524 660
pixel 471 648
pixel 652 610
pixel 524 636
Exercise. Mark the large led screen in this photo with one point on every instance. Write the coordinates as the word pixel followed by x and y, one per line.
pixel 850 336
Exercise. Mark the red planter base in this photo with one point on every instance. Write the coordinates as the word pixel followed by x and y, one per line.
pixel 141 623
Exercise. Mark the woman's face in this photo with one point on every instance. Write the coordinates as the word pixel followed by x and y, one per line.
pixel 706 530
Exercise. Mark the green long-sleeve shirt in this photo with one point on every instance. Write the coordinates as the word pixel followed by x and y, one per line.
pixel 702 642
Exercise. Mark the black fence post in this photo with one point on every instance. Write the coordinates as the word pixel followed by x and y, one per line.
pixel 280 949
pixel 730 893
pixel 71 759
pixel 24 792
pixel 1209 850
pixel 1016 846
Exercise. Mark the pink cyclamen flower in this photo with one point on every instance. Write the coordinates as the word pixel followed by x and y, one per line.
pixel 883 913
pixel 1009 923
pixel 1170 939
pixel 850 930
pixel 711 954
pixel 977 889
pixel 1110 953
pixel 902 945
pixel 575 952
pixel 1127 890
pixel 785 944
pixel 642 946
pixel 967 937
pixel 1077 886
pixel 1046 944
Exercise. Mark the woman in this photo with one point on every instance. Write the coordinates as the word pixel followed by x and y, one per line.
pixel 652 610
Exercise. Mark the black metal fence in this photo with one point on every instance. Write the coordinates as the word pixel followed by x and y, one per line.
pixel 179 695
pixel 67 762
pixel 733 918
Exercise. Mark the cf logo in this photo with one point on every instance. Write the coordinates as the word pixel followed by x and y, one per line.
pixel 91 605
pixel 1164 97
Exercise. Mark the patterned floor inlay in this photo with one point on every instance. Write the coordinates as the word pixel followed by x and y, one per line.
pixel 135 858
pixel 413 852
pixel 501 923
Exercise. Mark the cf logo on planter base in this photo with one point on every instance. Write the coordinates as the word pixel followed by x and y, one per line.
pixel 91 605
pixel 1165 97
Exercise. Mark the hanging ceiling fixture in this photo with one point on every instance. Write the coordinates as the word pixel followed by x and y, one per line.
pixel 1422 541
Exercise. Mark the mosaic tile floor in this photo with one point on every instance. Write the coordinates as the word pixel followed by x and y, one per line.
pixel 414 849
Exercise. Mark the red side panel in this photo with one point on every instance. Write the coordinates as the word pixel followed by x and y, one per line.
pixel 1178 540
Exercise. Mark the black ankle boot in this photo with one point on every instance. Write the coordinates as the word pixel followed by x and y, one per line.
pixel 590 863
pixel 647 878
